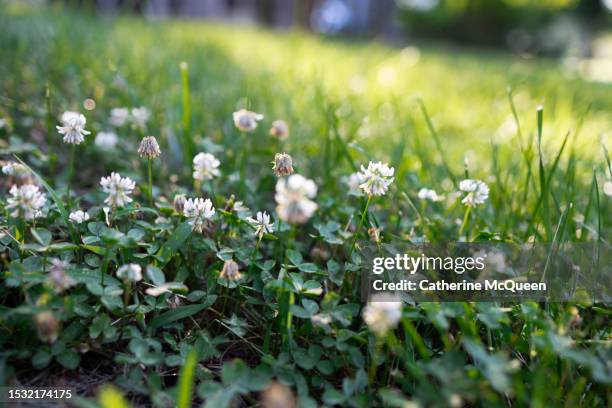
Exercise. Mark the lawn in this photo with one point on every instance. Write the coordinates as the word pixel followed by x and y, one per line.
pixel 141 291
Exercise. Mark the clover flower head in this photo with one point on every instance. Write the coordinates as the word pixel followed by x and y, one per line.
pixel 245 120
pixel 230 271
pixel 25 202
pixel 262 224
pixel 119 116
pixel 278 395
pixel 14 169
pixel 149 148
pixel 279 130
pixel 353 182
pixel 140 117
pixel 205 166
pixel 73 124
pixel 282 164
pixel 293 196
pixel 428 194
pixel 78 216
pixel 47 327
pixel 376 178
pixel 130 272
pixel 179 203
pixel 106 140
pixel 118 189
pixel 199 211
pixel 382 314
pixel 477 192
pixel 58 277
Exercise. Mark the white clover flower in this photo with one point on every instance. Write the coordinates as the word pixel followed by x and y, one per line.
pixel 199 210
pixel 428 194
pixel 282 164
pixel 477 192
pixel 262 224
pixel 607 188
pixel 130 272
pixel 149 148
pixel 321 319
pixel 293 198
pixel 79 216
pixel 106 140
pixel 246 121
pixel 279 130
pixel 230 271
pixel 353 182
pixel 26 202
pixel 72 128
pixel 376 179
pixel 119 116
pixel 58 277
pixel 140 117
pixel 118 189
pixel 205 166
pixel 382 314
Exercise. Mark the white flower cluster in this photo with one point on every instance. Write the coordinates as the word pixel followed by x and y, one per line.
pixel 293 196
pixel 73 127
pixel 26 202
pixel 79 216
pixel 118 189
pixel 246 121
pixel 382 314
pixel 262 224
pixel 137 116
pixel 205 166
pixel 477 192
pixel 376 178
pixel 199 211
pixel 428 194
pixel 106 140
pixel 130 272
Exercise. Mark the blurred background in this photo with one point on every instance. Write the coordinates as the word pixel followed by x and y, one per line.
pixel 577 31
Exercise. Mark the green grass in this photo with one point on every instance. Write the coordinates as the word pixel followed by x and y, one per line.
pixel 436 114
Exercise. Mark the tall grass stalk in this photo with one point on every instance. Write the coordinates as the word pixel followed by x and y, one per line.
pixel 50 132
pixel 187 140
pixel 186 380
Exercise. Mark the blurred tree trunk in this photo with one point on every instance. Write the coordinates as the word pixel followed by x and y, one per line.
pixel 380 17
pixel 303 11
pixel 266 11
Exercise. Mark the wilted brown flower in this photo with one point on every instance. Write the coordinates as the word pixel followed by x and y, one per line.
pixel 47 327
pixel 279 129
pixel 278 396
pixel 230 270
pixel 179 203
pixel 283 164
pixel 374 233
pixel 149 148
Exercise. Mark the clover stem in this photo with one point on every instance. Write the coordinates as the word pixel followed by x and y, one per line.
pixel 363 215
pixel 466 219
pixel 150 183
pixel 70 170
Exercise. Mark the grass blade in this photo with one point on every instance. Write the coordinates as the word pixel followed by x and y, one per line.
pixel 186 380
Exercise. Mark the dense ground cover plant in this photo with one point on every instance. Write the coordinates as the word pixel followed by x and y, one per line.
pixel 190 201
